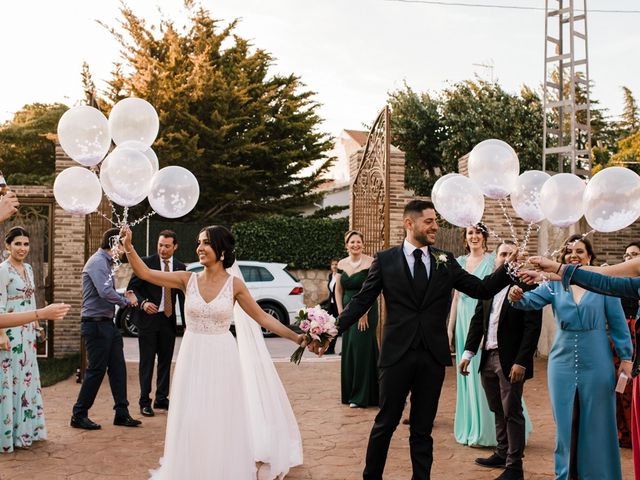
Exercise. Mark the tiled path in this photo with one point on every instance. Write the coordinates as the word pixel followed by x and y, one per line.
pixel 334 435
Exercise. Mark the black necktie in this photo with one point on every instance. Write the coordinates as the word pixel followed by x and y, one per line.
pixel 420 278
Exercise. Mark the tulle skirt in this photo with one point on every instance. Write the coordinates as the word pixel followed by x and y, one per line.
pixel 208 432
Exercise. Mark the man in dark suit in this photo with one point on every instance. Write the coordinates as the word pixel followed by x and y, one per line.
pixel 417 281
pixel 510 341
pixel 157 324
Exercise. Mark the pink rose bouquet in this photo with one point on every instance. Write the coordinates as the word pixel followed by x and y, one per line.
pixel 316 324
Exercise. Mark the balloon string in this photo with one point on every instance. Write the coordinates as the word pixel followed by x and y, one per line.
pixel 143 218
pixel 512 229
pixel 115 240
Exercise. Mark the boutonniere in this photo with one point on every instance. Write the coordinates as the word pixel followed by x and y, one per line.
pixel 441 259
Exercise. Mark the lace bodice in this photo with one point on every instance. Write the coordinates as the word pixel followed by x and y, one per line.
pixel 211 318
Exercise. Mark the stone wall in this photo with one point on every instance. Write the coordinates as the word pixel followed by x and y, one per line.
pixel 315 285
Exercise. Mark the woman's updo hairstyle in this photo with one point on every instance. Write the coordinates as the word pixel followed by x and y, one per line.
pixel 223 243
pixel 15 232
pixel 351 233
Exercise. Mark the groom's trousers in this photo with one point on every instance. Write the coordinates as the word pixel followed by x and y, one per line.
pixel 417 372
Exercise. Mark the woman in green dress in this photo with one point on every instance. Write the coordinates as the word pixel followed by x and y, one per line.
pixel 359 358
pixel 21 411
pixel 473 422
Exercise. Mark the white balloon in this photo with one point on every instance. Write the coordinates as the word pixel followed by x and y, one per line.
pixel 126 176
pixel 494 167
pixel 437 185
pixel 133 119
pixel 83 133
pixel 147 151
pixel 174 192
pixel 77 190
pixel 461 202
pixel 525 197
pixel 561 199
pixel 612 199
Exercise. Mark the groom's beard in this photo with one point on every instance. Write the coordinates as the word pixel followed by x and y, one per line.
pixel 423 238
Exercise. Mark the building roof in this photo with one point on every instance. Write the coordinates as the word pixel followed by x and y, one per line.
pixel 358 135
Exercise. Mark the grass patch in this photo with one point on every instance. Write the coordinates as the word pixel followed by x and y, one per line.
pixel 54 370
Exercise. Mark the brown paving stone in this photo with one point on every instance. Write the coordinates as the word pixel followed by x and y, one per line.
pixel 334 435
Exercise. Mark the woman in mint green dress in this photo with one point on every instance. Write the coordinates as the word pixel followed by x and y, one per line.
pixel 21 412
pixel 474 423
pixel 359 357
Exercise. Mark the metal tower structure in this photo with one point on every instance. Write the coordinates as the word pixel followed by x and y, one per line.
pixel 567 118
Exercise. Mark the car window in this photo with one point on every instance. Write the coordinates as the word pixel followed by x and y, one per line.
pixel 252 273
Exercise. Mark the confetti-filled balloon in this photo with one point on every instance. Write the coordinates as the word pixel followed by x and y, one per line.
pixel 174 192
pixel 494 167
pixel 83 133
pixel 77 190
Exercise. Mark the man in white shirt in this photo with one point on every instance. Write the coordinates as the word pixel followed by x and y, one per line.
pixel 509 340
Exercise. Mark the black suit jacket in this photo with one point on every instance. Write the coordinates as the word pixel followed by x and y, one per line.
pixel 333 306
pixel 518 334
pixel 153 293
pixel 407 315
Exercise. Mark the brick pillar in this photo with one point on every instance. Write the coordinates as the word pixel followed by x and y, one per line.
pixel 68 254
pixel 398 196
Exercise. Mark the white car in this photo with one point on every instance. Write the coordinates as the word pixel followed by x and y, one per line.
pixel 278 292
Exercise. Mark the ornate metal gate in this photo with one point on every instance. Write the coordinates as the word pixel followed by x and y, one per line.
pixel 36 216
pixel 370 187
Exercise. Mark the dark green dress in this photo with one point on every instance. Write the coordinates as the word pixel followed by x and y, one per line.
pixel 359 376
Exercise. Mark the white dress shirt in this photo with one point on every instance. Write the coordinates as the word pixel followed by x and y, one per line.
pixel 411 260
pixel 494 318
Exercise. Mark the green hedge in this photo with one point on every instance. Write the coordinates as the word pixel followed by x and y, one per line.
pixel 299 242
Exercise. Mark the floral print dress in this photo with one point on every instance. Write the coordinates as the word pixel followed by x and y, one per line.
pixel 21 412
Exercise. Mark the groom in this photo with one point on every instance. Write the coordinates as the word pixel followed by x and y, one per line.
pixel 417 281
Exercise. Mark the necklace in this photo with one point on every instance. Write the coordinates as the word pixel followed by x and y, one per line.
pixel 355 264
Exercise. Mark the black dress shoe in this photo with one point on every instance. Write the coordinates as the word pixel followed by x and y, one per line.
pixel 84 423
pixel 126 421
pixel 161 405
pixel 147 411
pixel 511 474
pixel 494 460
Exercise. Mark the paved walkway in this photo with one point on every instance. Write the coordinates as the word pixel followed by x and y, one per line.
pixel 334 435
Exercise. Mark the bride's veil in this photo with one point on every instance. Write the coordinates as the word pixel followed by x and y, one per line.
pixel 276 436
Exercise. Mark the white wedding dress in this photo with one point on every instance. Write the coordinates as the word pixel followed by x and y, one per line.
pixel 229 411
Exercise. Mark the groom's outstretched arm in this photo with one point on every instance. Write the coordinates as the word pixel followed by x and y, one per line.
pixel 362 301
pixel 474 287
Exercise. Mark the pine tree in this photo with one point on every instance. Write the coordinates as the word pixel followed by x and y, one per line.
pixel 630 114
pixel 248 136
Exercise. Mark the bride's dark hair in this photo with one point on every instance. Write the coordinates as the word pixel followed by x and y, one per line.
pixel 222 242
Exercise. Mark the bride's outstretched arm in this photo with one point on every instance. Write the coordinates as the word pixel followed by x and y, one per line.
pixel 177 279
pixel 251 308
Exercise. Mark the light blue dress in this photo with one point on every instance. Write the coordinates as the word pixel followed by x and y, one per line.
pixel 581 368
pixel 21 412
pixel 474 423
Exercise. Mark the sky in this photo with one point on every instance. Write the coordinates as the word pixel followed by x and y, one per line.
pixel 350 52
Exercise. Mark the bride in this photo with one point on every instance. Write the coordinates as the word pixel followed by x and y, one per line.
pixel 230 417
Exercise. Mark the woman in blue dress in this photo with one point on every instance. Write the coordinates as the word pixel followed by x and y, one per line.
pixel 580 374
pixel 21 410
